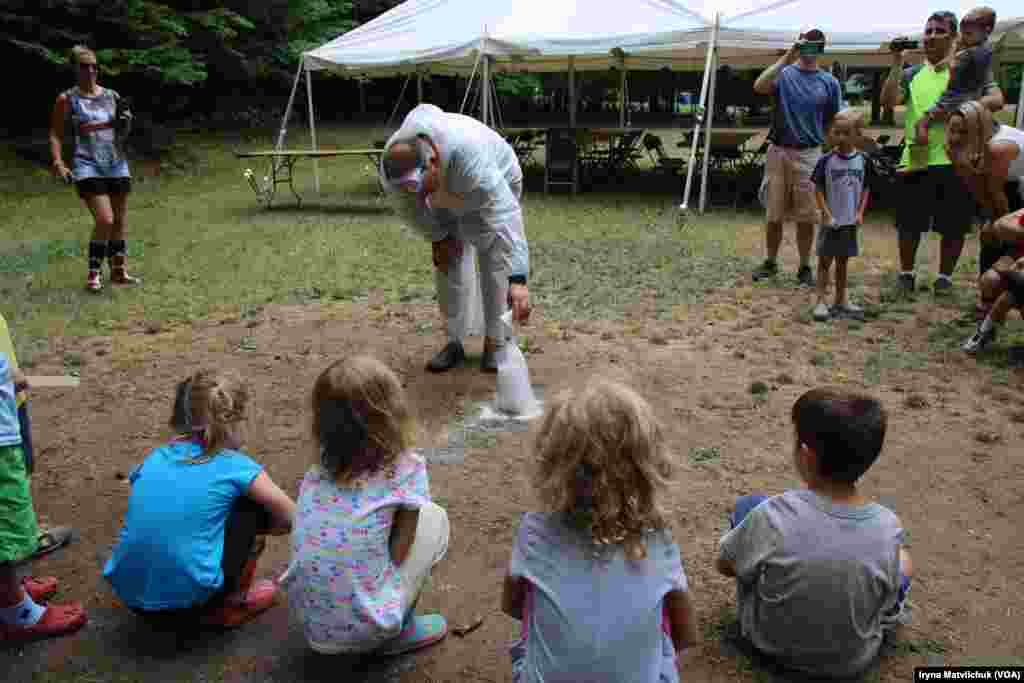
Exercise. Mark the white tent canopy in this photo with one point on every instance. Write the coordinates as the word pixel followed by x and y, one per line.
pixel 452 37
pixel 446 36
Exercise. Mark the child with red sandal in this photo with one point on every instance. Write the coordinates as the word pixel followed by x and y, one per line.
pixel 22 618
pixel 197 517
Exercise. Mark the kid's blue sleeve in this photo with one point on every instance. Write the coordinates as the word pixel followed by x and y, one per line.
pixel 749 544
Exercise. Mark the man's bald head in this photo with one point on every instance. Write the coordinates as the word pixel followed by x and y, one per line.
pixel 400 159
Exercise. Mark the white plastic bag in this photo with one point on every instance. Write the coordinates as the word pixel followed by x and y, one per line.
pixel 515 395
pixel 468 320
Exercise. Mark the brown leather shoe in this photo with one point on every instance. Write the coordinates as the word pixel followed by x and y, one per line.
pixel 119 272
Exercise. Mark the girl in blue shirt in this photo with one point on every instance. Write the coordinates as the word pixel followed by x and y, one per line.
pixel 196 518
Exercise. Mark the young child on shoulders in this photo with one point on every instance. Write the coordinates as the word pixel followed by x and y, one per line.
pixel 841 181
pixel 821 571
pixel 22 618
pixel 197 516
pixel 366 531
pixel 970 69
pixel 596 579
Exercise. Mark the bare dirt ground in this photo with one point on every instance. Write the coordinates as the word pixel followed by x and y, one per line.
pixel 951 468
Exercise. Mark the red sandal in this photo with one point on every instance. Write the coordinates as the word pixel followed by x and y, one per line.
pixel 241 607
pixel 39 588
pixel 58 620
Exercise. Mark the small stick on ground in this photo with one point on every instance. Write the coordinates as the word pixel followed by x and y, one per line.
pixel 466 629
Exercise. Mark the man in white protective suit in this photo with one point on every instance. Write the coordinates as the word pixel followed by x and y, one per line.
pixel 459 184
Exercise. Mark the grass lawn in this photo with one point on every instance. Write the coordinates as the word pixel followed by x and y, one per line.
pixel 202 242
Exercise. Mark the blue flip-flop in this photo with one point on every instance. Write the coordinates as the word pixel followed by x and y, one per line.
pixel 419 632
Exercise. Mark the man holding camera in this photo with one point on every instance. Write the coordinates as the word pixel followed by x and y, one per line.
pixel 806 100
pixel 932 197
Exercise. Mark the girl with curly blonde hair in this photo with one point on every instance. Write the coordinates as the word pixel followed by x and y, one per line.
pixel 596 579
pixel 197 516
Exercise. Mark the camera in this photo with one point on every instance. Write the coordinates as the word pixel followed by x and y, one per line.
pixel 811 47
pixel 123 115
pixel 904 44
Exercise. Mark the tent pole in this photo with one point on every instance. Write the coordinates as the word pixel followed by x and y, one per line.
pixel 485 79
pixel 700 116
pixel 572 92
pixel 312 129
pixel 707 130
pixel 288 109
pixel 1020 104
pixel 622 95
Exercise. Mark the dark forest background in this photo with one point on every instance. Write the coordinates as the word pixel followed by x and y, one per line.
pixel 198 63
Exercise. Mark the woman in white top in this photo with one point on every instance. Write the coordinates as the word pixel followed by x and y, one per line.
pixel 990 159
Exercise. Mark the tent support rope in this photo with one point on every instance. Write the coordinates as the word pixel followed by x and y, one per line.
pixel 398 103
pixel 469 85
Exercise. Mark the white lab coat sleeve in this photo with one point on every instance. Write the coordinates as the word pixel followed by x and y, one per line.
pixel 510 241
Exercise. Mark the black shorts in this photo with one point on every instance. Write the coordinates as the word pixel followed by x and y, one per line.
pixel 837 241
pixel 992 251
pixel 934 199
pixel 90 187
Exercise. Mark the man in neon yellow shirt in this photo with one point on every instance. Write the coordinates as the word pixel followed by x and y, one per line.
pixel 932 197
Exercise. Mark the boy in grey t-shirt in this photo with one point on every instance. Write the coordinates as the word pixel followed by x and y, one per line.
pixel 820 571
pixel 841 180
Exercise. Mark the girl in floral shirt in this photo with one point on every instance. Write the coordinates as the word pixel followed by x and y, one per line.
pixel 366 533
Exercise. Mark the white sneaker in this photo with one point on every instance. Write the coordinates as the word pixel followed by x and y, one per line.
pixel 979 340
pixel 822 313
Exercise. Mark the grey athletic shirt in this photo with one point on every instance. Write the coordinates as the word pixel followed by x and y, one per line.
pixel 814 580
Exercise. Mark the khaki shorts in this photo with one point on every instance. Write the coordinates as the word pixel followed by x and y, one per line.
pixel 788 189
pixel 429 546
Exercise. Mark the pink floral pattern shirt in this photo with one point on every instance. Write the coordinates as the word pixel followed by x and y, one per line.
pixel 342 585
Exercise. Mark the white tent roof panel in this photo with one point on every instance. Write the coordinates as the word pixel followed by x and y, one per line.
pixel 445 37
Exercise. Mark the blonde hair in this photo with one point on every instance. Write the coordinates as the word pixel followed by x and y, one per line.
pixel 79 51
pixel 850 117
pixel 987 15
pixel 217 400
pixel 973 156
pixel 603 463
pixel 361 418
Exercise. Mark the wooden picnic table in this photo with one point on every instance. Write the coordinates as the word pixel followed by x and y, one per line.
pixel 282 163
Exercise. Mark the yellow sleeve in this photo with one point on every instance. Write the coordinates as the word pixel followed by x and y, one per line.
pixel 7 347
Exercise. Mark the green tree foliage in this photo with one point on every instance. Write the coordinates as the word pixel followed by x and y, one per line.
pixel 1011 82
pixel 517 84
pixel 170 45
pixel 311 23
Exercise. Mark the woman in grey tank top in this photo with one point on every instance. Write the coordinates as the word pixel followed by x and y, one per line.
pixel 99 122
pixel 990 159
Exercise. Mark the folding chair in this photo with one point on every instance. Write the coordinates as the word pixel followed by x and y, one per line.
pixel 661 160
pixel 561 165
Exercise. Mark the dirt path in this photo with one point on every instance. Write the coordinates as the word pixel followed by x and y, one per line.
pixel 951 468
